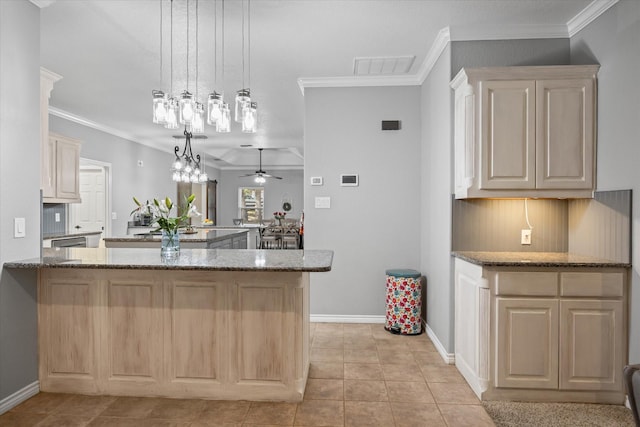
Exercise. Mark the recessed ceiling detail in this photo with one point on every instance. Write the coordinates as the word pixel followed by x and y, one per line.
pixel 392 65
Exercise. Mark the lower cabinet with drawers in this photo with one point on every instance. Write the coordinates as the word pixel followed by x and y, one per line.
pixel 542 333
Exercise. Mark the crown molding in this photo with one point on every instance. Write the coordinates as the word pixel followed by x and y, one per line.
pixel 357 81
pixel 588 14
pixel 439 44
pixel 43 3
pixel 94 125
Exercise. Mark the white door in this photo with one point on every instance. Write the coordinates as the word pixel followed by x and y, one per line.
pixel 90 214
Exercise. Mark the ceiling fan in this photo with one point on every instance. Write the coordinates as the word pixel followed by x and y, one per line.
pixel 260 174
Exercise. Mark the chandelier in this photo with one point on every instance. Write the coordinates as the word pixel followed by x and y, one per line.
pixel 186 109
pixel 186 166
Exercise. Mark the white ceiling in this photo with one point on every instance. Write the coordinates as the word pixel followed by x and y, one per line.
pixel 108 53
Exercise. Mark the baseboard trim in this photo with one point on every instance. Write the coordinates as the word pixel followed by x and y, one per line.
pixel 19 396
pixel 346 318
pixel 449 358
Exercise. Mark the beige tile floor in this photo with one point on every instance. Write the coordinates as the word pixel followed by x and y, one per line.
pixel 360 375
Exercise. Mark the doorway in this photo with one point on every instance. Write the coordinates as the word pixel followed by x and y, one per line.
pixel 92 214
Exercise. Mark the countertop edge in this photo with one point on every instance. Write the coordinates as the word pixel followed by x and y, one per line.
pixel 527 263
pixel 13 265
pixel 70 235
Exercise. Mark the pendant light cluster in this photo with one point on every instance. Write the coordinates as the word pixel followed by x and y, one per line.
pixel 186 109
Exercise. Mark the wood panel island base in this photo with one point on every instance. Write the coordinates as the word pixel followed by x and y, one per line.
pixel 217 324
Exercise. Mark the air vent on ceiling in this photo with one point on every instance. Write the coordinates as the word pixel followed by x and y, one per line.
pixel 382 65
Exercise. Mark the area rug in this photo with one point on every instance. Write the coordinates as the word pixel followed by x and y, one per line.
pixel 523 414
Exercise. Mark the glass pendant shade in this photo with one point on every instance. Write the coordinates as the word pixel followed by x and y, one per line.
pixel 249 118
pixel 197 125
pixel 159 107
pixel 224 124
pixel 243 99
pixel 187 108
pixel 214 108
pixel 176 176
pixel 172 114
pixel 203 177
pixel 260 180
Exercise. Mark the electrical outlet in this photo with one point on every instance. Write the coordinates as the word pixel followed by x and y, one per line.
pixel 525 238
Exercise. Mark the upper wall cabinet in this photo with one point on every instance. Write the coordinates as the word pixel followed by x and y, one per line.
pixel 525 131
pixel 64 164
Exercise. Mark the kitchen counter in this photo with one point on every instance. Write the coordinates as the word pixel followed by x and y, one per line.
pixel 188 259
pixel 535 259
pixel 223 239
pixel 70 235
pixel 208 324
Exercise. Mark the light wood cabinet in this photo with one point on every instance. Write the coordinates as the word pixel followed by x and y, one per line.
pixel 225 335
pixel 47 172
pixel 553 334
pixel 64 167
pixel 525 131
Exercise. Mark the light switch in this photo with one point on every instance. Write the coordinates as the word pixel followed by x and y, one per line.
pixel 114 215
pixel 323 202
pixel 19 227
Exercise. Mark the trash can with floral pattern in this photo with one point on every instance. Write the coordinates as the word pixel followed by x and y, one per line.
pixel 404 302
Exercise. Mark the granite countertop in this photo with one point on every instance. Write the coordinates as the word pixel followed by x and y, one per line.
pixel 535 259
pixel 66 235
pixel 188 259
pixel 199 236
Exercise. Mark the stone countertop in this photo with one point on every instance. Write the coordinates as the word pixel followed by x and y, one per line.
pixel 70 235
pixel 535 259
pixel 199 236
pixel 188 259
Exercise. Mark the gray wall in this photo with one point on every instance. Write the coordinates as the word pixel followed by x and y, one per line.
pixel 372 227
pixel 506 53
pixel 612 41
pixel 153 180
pixel 290 186
pixel 19 190
pixel 435 198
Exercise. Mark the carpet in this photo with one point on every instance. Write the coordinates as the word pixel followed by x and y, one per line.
pixel 528 414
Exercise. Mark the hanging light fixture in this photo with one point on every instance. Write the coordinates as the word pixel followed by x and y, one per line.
pixel 186 166
pixel 186 109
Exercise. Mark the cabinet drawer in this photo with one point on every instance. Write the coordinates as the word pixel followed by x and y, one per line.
pixel 526 283
pixel 591 284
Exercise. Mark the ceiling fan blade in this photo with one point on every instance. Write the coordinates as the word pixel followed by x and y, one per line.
pixel 249 174
pixel 266 175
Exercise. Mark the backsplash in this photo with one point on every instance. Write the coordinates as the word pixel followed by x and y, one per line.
pixel 495 225
pixel 601 226
pixel 49 224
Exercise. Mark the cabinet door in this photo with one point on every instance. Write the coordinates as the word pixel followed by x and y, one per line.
pixel 67 169
pixel 507 135
pixel 527 343
pixel 565 133
pixel 591 350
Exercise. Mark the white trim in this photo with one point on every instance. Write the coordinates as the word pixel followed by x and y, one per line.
pixel 448 358
pixel 108 168
pixel 357 81
pixel 439 44
pixel 587 15
pixel 94 125
pixel 346 318
pixel 19 396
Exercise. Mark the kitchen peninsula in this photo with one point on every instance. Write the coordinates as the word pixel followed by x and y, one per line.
pixel 233 238
pixel 213 324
